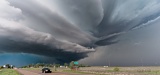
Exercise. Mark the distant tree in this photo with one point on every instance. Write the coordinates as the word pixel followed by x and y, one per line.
pixel 51 65
pixel 82 65
pixel 1 67
pixel 41 64
pixel 8 66
pixel 47 65
pixel 37 65
pixel 24 67
pixel 12 66
pixel 57 65
pixel 65 64
pixel 71 64
pixel 30 65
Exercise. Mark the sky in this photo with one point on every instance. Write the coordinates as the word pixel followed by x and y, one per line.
pixel 94 32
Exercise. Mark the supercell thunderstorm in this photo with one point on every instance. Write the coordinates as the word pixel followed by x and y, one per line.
pixel 69 30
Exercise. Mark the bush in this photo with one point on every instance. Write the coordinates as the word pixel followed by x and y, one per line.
pixel 71 64
pixel 116 69
pixel 1 67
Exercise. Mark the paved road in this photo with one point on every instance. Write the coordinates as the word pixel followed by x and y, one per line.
pixel 25 72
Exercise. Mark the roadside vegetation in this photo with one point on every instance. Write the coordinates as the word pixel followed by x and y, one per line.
pixel 97 70
pixel 9 72
pixel 68 65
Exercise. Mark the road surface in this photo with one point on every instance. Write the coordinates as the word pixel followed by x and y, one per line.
pixel 25 72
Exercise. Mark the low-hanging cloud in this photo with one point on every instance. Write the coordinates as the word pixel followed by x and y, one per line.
pixel 25 34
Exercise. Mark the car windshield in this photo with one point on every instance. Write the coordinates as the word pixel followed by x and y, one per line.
pixel 46 69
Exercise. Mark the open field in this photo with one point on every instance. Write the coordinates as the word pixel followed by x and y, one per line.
pixel 105 70
pixel 9 72
pixel 122 70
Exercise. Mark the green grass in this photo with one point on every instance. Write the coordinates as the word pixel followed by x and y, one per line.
pixel 9 72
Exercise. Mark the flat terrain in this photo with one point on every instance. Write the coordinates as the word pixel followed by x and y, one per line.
pixel 122 70
pixel 86 71
pixel 100 70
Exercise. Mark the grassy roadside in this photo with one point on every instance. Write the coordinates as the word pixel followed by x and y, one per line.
pixel 9 72
pixel 70 71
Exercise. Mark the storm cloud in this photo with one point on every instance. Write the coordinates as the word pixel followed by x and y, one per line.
pixel 69 30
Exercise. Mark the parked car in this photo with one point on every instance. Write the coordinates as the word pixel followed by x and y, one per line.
pixel 46 70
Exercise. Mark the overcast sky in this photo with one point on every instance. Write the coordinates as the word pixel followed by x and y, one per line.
pixel 122 32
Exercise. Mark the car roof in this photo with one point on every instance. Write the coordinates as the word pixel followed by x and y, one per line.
pixel 45 68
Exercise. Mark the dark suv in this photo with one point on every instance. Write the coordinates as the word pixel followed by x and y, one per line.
pixel 46 70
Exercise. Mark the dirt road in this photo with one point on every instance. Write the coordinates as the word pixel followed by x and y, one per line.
pixel 25 72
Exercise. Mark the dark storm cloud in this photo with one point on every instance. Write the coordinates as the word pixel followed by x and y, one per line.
pixel 85 14
pixel 21 33
pixel 10 46
pixel 107 41
pixel 123 16
pixel 120 18
pixel 57 28
pixel 44 19
pixel 61 40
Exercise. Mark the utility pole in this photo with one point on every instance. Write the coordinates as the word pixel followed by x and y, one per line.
pixel 141 61
pixel 109 64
